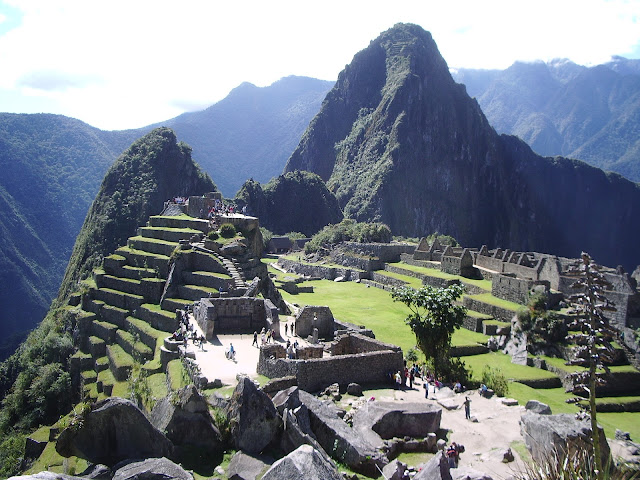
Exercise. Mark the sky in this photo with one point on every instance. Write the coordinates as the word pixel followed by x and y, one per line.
pixel 127 64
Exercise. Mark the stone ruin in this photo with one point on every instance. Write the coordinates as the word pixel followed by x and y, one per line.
pixel 235 315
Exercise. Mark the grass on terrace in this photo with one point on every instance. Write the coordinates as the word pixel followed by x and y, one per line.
pixel 432 272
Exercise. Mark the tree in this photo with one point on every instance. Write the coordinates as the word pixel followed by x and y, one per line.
pixel 433 319
pixel 594 342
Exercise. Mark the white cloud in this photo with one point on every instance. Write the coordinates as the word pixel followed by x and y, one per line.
pixel 127 64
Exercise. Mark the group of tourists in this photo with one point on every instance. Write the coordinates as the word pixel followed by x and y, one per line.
pixel 292 349
pixel 266 336
pixel 186 330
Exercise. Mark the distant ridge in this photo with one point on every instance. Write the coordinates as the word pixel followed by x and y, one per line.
pixel 561 108
pixel 398 141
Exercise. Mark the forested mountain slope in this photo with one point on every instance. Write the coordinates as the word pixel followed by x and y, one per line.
pixel 399 141
pixel 560 108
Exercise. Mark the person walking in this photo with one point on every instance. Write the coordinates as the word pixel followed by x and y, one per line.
pixel 467 408
pixel 255 339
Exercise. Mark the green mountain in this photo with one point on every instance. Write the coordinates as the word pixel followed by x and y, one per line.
pixel 561 108
pixel 35 382
pixel 252 132
pixel 399 141
pixel 293 202
pixel 154 169
pixel 51 170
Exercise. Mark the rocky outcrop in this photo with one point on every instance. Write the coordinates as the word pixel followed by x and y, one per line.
pixel 392 419
pixel 435 469
pixel 184 417
pixel 304 463
pixel 338 439
pixel 535 406
pixel 113 431
pixel 552 437
pixel 255 421
pixel 398 141
pixel 151 469
pixel 247 467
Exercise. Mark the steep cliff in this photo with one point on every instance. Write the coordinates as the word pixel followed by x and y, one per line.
pixel 398 141
pixel 149 172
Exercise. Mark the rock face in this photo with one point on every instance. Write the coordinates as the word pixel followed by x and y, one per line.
pixel 247 467
pixel 398 420
pixel 113 431
pixel 435 469
pixel 339 440
pixel 304 463
pixel 256 421
pixel 538 407
pixel 398 141
pixel 186 420
pixel 551 436
pixel 152 469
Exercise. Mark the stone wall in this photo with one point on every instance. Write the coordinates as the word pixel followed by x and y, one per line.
pixel 386 252
pixel 311 317
pixel 514 289
pixel 315 374
pixel 231 315
pixel 320 271
pixel 498 313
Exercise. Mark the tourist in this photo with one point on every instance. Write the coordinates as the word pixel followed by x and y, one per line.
pixel 286 330
pixel 255 338
pixel 467 408
pixel 457 388
pixel 231 353
pixel 263 337
pixel 202 340
pixel 411 377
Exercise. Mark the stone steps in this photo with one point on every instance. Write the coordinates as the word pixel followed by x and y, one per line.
pixel 97 347
pixel 133 347
pixel 113 315
pixel 104 330
pixel 179 222
pixel 127 301
pixel 100 364
pixel 168 234
pixel 196 292
pixel 117 266
pixel 147 334
pixel 143 259
pixel 159 247
pixel 148 288
pixel 206 279
pixel 120 362
pixel 163 320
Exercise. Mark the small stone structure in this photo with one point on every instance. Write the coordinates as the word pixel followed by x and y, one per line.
pixel 356 358
pixel 312 317
pixel 235 315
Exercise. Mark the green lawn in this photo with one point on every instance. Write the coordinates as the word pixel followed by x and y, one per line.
pixel 503 362
pixel 498 302
pixel 410 281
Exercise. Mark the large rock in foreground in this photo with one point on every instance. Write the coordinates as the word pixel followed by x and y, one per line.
pixel 152 469
pixel 304 463
pixel 113 431
pixel 339 440
pixel 393 419
pixel 255 422
pixel 186 419
pixel 553 436
pixel 435 469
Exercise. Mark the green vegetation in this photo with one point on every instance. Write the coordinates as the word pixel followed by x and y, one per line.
pixel 227 230
pixel 296 201
pixel 348 230
pixel 434 317
pixel 495 380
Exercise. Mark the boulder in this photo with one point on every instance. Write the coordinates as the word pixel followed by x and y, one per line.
pixel 354 389
pixel 46 476
pixel 304 463
pixel 538 407
pixel 114 430
pixel 551 436
pixel 620 435
pixel 151 469
pixel 253 417
pixel 288 398
pixel 444 392
pixel 97 472
pixel 297 432
pixel 247 467
pixel 466 473
pixel 435 469
pixel 184 417
pixel 449 403
pixel 510 402
pixel 395 470
pixel 339 440
pixel 394 419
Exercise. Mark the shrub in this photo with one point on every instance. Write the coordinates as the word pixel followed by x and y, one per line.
pixel 411 356
pixel 212 235
pixel 227 230
pixel 495 380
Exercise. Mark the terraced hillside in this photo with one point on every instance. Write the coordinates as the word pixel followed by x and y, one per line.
pixel 127 309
